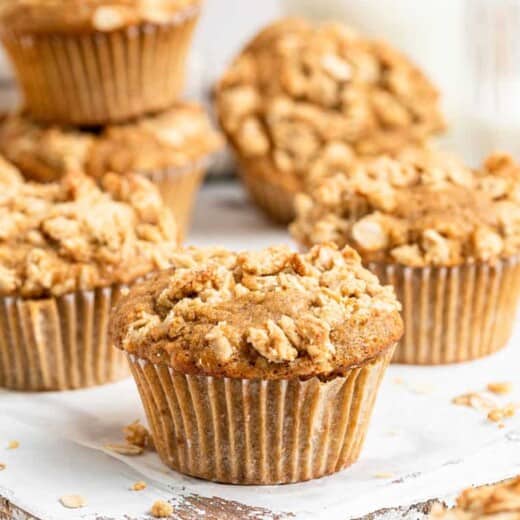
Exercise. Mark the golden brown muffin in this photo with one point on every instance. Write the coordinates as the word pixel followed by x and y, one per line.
pixel 93 62
pixel 221 334
pixel 445 236
pixel 299 94
pixel 498 502
pixel 172 149
pixel 68 250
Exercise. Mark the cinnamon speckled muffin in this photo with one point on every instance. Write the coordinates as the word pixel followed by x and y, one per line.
pixel 299 96
pixel 498 502
pixel 446 237
pixel 93 62
pixel 173 149
pixel 259 368
pixel 68 250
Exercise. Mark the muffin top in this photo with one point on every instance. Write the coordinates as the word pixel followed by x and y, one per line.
pixel 498 502
pixel 175 139
pixel 33 16
pixel 271 314
pixel 63 236
pixel 297 90
pixel 418 208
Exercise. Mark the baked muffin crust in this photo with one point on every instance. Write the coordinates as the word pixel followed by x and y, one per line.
pixel 419 208
pixel 297 90
pixel 35 16
pixel 272 314
pixel 177 138
pixel 59 237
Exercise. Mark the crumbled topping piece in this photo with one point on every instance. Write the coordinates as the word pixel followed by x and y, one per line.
pixel 2 466
pixel 296 89
pixel 136 434
pixel 73 501
pixel 13 445
pixel 498 502
pixel 498 414
pixel 500 388
pixel 474 400
pixel 161 509
pixel 418 208
pixel 272 308
pixel 124 449
pixel 139 485
pixel 73 235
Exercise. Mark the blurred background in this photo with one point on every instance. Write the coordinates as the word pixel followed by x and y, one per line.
pixel 470 48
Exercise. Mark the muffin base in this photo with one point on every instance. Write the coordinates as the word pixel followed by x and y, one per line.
pixel 258 431
pixel 274 198
pixel 453 314
pixel 98 77
pixel 59 343
pixel 178 188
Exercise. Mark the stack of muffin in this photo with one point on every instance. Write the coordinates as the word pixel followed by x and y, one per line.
pixel 101 83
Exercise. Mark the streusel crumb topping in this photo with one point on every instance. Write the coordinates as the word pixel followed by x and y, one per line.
pixel 273 311
pixel 99 15
pixel 417 208
pixel 62 236
pixel 173 140
pixel 298 91
pixel 500 502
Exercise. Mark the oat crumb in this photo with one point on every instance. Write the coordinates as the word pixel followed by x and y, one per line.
pixel 2 466
pixel 73 501
pixel 474 400
pixel 13 445
pixel 500 388
pixel 137 435
pixel 383 474
pixel 161 509
pixel 139 486
pixel 125 449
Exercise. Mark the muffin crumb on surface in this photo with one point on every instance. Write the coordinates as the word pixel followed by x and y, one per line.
pixel 161 509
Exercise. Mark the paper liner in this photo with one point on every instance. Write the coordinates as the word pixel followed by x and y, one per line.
pixel 95 78
pixel 178 188
pixel 59 343
pixel 453 314
pixel 258 431
pixel 274 198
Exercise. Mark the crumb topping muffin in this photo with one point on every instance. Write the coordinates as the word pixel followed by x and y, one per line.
pixel 100 15
pixel 420 208
pixel 72 235
pixel 271 314
pixel 175 139
pixel 298 91
pixel 500 502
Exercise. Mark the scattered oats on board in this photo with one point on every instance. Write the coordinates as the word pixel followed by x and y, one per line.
pixel 383 474
pixel 161 509
pixel 498 414
pixel 73 501
pixel 500 388
pixel 12 445
pixel 139 486
pixel 125 449
pixel 474 400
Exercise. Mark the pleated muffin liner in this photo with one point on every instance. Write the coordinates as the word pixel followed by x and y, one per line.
pixel 96 78
pixel 59 343
pixel 453 314
pixel 274 199
pixel 243 431
pixel 178 188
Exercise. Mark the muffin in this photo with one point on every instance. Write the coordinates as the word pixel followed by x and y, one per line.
pixel 446 237
pixel 300 95
pixel 498 502
pixel 172 149
pixel 68 251
pixel 259 368
pixel 93 62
